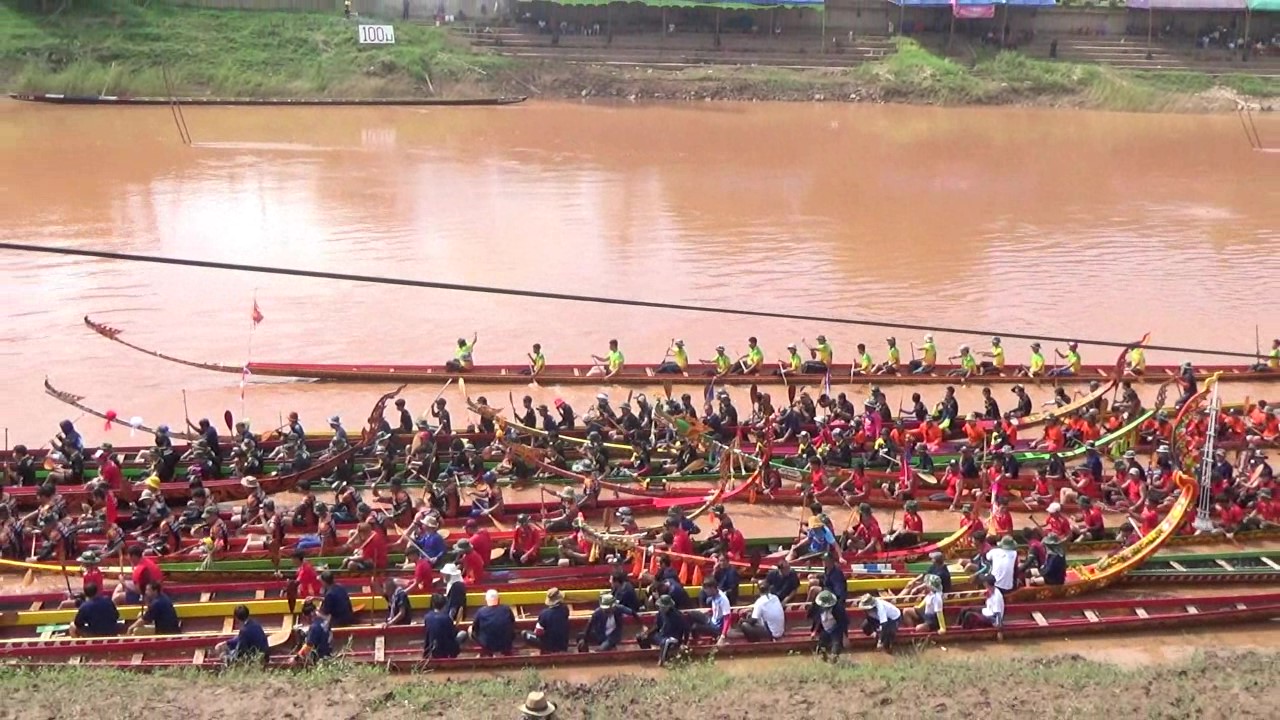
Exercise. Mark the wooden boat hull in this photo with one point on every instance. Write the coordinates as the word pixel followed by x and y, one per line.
pixel 637 375
pixel 400 647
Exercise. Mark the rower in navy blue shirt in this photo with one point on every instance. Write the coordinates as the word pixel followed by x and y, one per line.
pixel 97 617
pixel 441 635
pixel 604 629
pixel 249 641
pixel 317 643
pixel 336 607
pixel 834 579
pixel 159 612
pixel 727 578
pixel 624 592
pixel 551 634
pixel 494 626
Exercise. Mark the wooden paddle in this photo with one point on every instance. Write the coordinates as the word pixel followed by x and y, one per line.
pixel 227 419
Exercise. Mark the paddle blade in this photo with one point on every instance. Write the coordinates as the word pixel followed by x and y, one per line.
pixel 791 394
pixel 226 418
pixel 29 577
pixel 462 386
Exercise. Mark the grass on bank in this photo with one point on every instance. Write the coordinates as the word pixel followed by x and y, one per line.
pixel 115 46
pixel 915 72
pixel 1073 687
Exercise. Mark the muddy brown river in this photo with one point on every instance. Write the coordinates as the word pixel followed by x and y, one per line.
pixel 1102 225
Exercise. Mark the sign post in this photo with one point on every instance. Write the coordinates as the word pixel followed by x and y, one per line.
pixel 376 35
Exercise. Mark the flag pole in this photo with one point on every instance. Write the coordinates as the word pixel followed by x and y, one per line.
pixel 255 317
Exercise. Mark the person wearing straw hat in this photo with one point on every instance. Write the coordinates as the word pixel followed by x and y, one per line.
pixel 829 624
pixel 90 573
pixel 1001 562
pixel 668 632
pixel 537 706
pixel 455 590
pixel 493 628
pixel 551 633
pixel 604 629
pixel 927 615
pixel 882 620
pixel 1053 571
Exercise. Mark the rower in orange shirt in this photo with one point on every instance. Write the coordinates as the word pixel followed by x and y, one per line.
pixel 1258 416
pixel 932 436
pixel 973 431
pixel 1054 439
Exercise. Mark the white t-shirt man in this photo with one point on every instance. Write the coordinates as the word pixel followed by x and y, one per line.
pixel 1002 563
pixel 768 610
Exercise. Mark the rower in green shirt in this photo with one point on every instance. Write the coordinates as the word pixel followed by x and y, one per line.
pixel 890 366
pixel 536 361
pixel 721 361
pixel 1072 356
pixel 968 364
pixel 929 357
pixel 794 362
pixel 820 357
pixel 462 357
pixel 864 365
pixel 613 361
pixel 750 363
pixel 679 361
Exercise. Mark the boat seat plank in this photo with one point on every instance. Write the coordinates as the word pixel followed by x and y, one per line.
pixel 1224 564
pixel 206 597
pixel 1177 566
pixel 1093 616
pixel 1270 563
pixel 1193 610
pixel 380 648
pixel 197 658
pixel 136 659
pixel 37 604
pixel 1141 612
pixel 1039 618
pixel 228 624
pixel 75 659
pixel 1241 606
pixel 259 594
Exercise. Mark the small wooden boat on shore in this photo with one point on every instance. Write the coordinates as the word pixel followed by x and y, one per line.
pixel 636 375
pixel 131 100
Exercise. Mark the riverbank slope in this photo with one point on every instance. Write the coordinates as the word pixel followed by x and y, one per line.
pixel 111 47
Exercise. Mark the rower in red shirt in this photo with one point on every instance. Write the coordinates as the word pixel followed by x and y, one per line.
pixel 375 548
pixel 480 539
pixel 969 520
pixel 108 469
pixel 526 542
pixel 1001 519
pixel 1229 516
pixel 735 542
pixel 867 536
pixel 1092 524
pixel 1148 518
pixel 422 571
pixel 145 570
pixel 912 527
pixel 305 577
pixel 1054 439
pixel 470 563
pixel 1057 523
pixel 817 476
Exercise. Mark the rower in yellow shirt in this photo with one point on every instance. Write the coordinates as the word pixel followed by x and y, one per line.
pixel 820 357
pixel 537 362
pixel 613 361
pixel 968 363
pixel 750 363
pixel 928 359
pixel 794 363
pixel 890 366
pixel 996 363
pixel 679 361
pixel 463 358
pixel 1136 361
pixel 1072 356
pixel 1036 368
pixel 863 365
pixel 721 361
pixel 1273 358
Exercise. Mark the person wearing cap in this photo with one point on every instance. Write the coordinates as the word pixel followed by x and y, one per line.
pixel 90 574
pixel 1001 562
pixel 817 540
pixel 611 364
pixel 793 364
pixel 967 366
pixel 526 541
pixel 537 707
pixel 493 627
pixel 604 628
pixel 675 361
pixel 882 620
pixel 829 623
pixel 751 361
pixel 469 561
pixel 892 365
pixel 551 633
pixel 820 357
pixel 928 356
pixel 1057 523
pixel 927 615
pixel 1073 364
pixel 721 363
pixel 996 363
pixel 1035 366
pixel 1263 512
pixel 866 537
pixel 463 355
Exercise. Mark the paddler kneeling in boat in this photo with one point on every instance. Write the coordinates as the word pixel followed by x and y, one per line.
pixel 159 616
pixel 1053 571
pixel 604 629
pixel 464 356
pixel 317 638
pixel 668 632
pixel 912 528
pixel 866 537
pixel 91 575
pixel 250 641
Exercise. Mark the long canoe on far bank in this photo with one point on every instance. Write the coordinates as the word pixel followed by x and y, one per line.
pixel 61 99
pixel 641 375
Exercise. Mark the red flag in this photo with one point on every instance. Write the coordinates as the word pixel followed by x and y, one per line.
pixel 257 314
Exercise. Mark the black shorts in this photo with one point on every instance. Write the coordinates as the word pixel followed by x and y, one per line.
pixel 932 622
